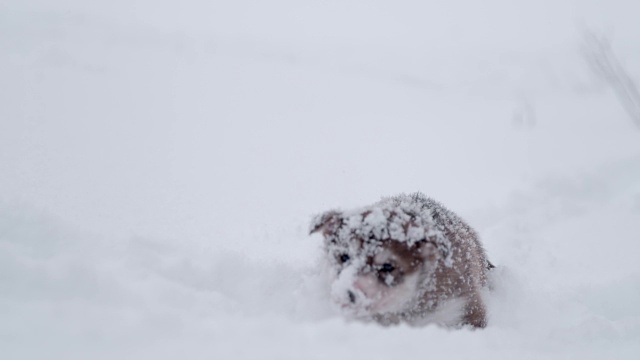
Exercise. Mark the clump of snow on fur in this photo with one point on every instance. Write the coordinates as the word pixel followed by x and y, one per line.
pixel 404 218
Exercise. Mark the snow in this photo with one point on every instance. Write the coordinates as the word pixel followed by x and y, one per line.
pixel 160 163
pixel 404 218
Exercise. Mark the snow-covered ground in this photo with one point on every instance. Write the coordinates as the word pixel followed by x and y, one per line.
pixel 160 161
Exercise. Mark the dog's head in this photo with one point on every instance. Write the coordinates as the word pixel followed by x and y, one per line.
pixel 379 257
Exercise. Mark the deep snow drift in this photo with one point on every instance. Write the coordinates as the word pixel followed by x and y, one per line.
pixel 160 163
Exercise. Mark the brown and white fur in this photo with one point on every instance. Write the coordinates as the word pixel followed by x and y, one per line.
pixel 405 259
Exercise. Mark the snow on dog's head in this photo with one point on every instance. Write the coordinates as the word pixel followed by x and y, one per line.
pixel 379 256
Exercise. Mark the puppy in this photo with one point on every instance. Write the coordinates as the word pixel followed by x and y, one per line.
pixel 405 259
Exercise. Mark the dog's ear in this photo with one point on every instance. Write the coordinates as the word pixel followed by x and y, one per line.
pixel 326 222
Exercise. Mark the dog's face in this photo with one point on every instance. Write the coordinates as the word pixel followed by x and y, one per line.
pixel 378 259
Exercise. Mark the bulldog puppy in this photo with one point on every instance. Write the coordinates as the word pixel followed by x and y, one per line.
pixel 404 259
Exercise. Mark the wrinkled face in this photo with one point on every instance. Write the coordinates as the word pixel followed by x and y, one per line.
pixel 372 273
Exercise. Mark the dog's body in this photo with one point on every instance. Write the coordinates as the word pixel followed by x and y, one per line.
pixel 405 259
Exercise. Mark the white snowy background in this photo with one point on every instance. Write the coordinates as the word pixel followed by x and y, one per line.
pixel 160 161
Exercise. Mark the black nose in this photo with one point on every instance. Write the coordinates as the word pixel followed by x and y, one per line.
pixel 352 296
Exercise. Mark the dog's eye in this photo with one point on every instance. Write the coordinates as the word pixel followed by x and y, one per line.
pixel 343 258
pixel 386 268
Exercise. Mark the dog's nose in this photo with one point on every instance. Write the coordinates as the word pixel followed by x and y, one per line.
pixel 352 296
